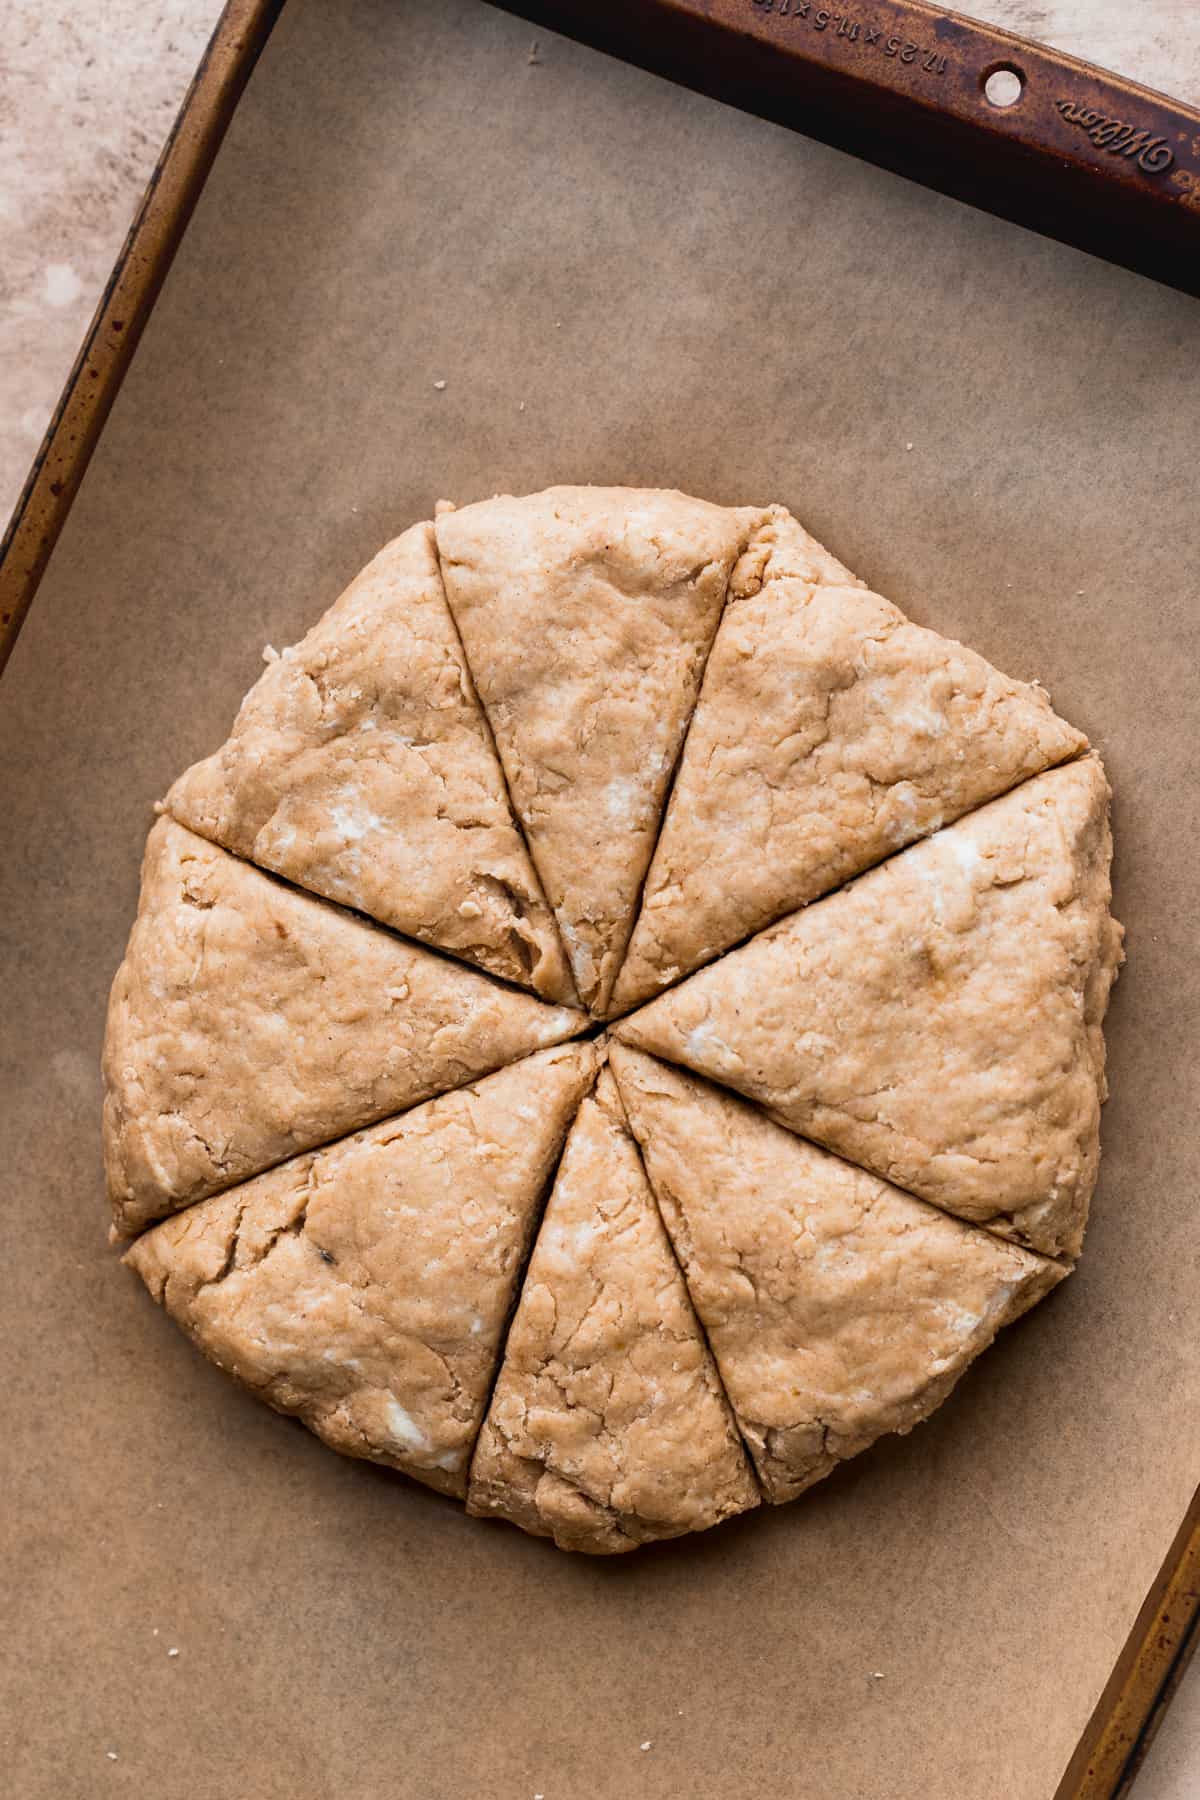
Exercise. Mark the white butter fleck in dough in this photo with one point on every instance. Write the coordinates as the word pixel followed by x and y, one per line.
pixel 965 853
pixel 621 802
pixel 405 1430
pixel 569 1240
pixel 351 825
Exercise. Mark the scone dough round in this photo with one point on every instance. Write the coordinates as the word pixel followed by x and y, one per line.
pixel 618 1026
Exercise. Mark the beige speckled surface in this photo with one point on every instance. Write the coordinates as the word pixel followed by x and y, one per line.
pixel 88 92
pixel 1172 1769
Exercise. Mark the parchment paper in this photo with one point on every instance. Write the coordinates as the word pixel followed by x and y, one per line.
pixel 617 281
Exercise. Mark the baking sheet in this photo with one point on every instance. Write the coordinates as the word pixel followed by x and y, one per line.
pixel 617 281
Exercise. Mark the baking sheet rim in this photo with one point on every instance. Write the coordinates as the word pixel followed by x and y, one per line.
pixel 1165 1632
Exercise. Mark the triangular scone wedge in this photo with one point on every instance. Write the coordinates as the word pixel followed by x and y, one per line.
pixel 361 767
pixel 838 1308
pixel 366 1287
pixel 939 1021
pixel 608 1427
pixel 586 615
pixel 829 732
pixel 249 1021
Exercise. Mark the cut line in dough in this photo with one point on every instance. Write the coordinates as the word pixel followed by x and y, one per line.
pixel 838 1307
pixel 939 1021
pixel 365 1287
pixel 360 766
pixel 608 1427
pixel 250 1021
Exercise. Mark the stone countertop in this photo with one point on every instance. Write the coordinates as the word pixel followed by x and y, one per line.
pixel 87 96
